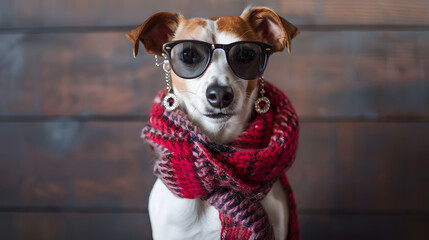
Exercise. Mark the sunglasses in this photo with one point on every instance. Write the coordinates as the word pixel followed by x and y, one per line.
pixel 191 58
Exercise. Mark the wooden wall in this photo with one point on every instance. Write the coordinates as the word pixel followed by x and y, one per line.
pixel 73 101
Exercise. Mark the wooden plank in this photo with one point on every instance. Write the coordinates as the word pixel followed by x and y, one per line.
pixel 340 166
pixel 136 226
pixel 65 163
pixel 69 74
pixel 362 166
pixel 40 13
pixel 356 74
pixel 46 226
pixel 349 12
pixel 329 74
pixel 363 227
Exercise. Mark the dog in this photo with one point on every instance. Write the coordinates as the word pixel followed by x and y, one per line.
pixel 218 99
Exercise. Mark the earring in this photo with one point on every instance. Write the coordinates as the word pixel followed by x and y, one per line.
pixel 262 104
pixel 170 100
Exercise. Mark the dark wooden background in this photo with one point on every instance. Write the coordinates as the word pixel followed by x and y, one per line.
pixel 73 101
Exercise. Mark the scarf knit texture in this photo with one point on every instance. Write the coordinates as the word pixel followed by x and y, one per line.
pixel 233 178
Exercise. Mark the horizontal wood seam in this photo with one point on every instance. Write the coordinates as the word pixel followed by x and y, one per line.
pixel 144 118
pixel 131 210
pixel 366 212
pixel 125 28
pixel 69 209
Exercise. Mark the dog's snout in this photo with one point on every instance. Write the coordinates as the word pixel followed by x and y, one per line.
pixel 219 96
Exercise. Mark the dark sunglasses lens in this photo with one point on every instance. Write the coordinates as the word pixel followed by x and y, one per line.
pixel 247 60
pixel 189 59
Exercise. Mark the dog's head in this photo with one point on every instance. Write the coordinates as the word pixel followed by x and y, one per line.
pixel 214 77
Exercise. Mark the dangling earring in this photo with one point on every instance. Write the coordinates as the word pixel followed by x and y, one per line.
pixel 170 100
pixel 262 104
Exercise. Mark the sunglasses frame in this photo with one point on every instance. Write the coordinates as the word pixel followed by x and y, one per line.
pixel 266 49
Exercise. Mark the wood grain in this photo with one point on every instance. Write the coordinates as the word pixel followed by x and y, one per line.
pixel 73 102
pixel 47 226
pixel 340 166
pixel 65 163
pixel 329 74
pixel 362 167
pixel 357 227
pixel 41 13
pixel 355 74
pixel 75 74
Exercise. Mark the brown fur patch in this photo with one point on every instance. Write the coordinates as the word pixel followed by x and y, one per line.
pixel 189 26
pixel 193 23
pixel 237 26
pixel 271 28
pixel 154 32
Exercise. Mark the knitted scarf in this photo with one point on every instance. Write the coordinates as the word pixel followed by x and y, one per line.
pixel 233 178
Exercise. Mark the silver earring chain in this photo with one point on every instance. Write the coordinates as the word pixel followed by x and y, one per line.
pixel 167 69
pixel 170 100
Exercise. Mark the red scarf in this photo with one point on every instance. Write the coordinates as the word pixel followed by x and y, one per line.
pixel 232 178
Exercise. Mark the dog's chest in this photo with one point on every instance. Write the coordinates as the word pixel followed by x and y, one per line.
pixel 177 218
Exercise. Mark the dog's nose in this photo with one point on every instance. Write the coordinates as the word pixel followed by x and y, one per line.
pixel 219 96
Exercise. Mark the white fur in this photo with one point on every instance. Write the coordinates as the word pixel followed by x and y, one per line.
pixel 176 218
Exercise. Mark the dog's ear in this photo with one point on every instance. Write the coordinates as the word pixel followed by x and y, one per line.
pixel 270 27
pixel 153 33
